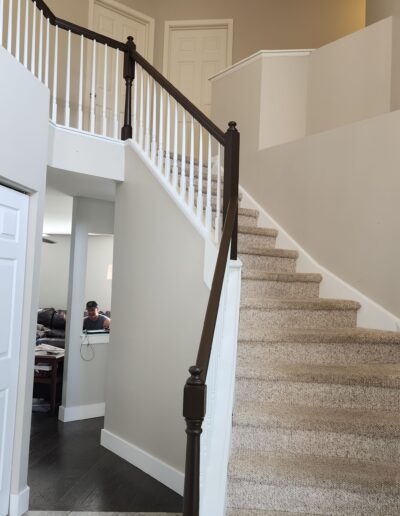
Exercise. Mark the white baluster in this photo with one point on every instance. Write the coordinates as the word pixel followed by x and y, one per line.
pixel 104 124
pixel 147 138
pixel 116 95
pixel 218 211
pixel 161 131
pixel 26 33
pixel 191 165
pixel 135 100
pixel 80 99
pixel 141 122
pixel 10 25
pixel 1 21
pixel 93 90
pixel 200 177
pixel 18 32
pixel 55 75
pixel 40 71
pixel 46 68
pixel 175 162
pixel 183 162
pixel 154 126
pixel 208 203
pixel 68 82
pixel 168 140
pixel 33 54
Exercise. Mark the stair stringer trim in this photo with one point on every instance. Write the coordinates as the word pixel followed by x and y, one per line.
pixel 371 314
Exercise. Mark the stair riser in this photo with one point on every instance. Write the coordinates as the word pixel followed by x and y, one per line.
pixel 256 240
pixel 257 323
pixel 323 443
pixel 245 220
pixel 268 263
pixel 318 394
pixel 278 289
pixel 339 354
pixel 242 494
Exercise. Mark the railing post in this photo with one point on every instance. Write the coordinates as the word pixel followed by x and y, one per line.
pixel 194 409
pixel 231 177
pixel 129 75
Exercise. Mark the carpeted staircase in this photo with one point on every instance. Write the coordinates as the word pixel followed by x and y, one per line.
pixel 316 419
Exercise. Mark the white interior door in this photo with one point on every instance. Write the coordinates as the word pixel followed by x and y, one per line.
pixel 13 234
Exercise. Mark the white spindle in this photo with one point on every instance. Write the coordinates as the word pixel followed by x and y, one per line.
pixel 10 25
pixel 46 69
pixel 104 124
pixel 141 121
pixel 116 94
pixel 147 137
pixel 135 108
pixel 33 54
pixel 68 82
pixel 80 99
pixel 40 71
pixel 55 75
pixel 183 162
pixel 175 162
pixel 154 126
pixel 161 131
pixel 168 140
pixel 18 31
pixel 191 165
pixel 26 33
pixel 208 203
pixel 1 21
pixel 93 90
pixel 200 177
pixel 218 210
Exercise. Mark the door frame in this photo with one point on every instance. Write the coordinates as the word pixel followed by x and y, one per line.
pixel 176 25
pixel 138 16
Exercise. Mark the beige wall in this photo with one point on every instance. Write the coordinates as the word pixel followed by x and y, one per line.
pixel 267 24
pixel 378 9
pixel 159 300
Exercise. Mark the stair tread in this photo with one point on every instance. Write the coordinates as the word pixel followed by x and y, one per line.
pixel 312 471
pixel 373 423
pixel 267 251
pixel 249 212
pixel 251 230
pixel 256 512
pixel 367 375
pixel 299 304
pixel 254 274
pixel 330 335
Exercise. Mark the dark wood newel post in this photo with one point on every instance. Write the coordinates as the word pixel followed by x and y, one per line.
pixel 129 76
pixel 194 409
pixel 231 177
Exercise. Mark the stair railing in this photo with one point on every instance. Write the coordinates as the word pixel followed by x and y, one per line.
pixel 172 134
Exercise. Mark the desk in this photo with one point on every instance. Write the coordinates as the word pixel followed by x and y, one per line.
pixel 55 375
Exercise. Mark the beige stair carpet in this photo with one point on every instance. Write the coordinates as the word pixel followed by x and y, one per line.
pixel 316 425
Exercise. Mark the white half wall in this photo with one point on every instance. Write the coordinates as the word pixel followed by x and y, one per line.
pixel 159 300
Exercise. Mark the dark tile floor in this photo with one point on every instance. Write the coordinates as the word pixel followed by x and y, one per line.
pixel 70 471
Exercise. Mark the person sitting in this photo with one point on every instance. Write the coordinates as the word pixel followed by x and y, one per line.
pixel 94 320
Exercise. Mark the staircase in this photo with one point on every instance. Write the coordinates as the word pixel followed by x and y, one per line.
pixel 316 422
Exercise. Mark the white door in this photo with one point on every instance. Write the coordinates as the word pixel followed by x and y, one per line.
pixel 117 22
pixel 13 234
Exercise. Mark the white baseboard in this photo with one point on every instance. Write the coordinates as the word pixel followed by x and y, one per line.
pixel 371 314
pixel 66 414
pixel 19 503
pixel 151 465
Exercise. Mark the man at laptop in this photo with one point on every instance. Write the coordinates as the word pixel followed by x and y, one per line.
pixel 94 320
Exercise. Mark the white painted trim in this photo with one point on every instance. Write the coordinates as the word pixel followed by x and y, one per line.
pixel 258 55
pixel 151 465
pixel 19 503
pixel 170 26
pixel 67 414
pixel 131 13
pixel 86 133
pixel 371 314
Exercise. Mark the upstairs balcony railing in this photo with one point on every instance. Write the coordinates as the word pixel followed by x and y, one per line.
pixel 102 86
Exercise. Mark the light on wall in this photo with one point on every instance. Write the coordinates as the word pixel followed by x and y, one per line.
pixel 109 272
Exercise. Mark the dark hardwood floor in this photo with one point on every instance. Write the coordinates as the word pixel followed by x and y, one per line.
pixel 70 471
